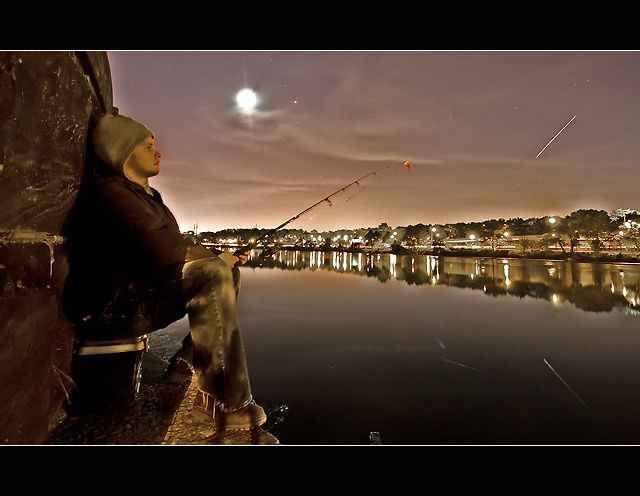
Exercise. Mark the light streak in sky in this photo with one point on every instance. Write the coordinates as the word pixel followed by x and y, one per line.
pixel 556 136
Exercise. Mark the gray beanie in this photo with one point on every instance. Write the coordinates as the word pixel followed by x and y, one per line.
pixel 115 137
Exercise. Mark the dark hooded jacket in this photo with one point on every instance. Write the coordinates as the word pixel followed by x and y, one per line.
pixel 118 234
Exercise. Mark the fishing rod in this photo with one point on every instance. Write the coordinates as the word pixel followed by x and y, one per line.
pixel 327 199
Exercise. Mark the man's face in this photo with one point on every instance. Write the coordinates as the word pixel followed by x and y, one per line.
pixel 144 162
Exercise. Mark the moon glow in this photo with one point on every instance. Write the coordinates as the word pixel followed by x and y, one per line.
pixel 247 99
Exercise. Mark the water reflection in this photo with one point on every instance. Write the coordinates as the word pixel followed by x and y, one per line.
pixel 595 287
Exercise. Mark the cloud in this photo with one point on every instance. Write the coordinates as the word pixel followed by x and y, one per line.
pixel 352 116
pixel 470 122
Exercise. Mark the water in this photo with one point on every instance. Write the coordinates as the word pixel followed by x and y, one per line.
pixel 426 350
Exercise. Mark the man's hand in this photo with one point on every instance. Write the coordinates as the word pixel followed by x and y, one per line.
pixel 196 252
pixel 233 260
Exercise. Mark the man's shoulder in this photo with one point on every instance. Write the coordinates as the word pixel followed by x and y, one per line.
pixel 114 187
pixel 114 193
pixel 111 182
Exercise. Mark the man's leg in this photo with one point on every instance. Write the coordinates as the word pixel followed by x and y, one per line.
pixel 207 291
pixel 181 372
pixel 138 308
pixel 218 355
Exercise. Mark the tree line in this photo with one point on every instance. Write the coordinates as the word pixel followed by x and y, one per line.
pixel 598 227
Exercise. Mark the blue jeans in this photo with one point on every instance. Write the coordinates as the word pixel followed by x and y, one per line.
pixel 207 291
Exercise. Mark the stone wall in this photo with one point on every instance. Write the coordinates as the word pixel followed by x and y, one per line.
pixel 47 102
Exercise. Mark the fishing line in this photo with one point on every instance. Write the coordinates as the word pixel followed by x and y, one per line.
pixel 464 366
pixel 503 376
pixel 567 385
pixel 355 193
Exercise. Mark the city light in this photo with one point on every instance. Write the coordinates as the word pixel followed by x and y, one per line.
pixel 585 232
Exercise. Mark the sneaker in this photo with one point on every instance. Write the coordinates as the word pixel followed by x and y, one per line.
pixel 205 408
pixel 178 372
pixel 246 418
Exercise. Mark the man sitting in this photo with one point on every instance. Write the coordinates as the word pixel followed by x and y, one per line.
pixel 132 272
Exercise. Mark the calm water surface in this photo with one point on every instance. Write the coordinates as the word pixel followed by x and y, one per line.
pixel 428 350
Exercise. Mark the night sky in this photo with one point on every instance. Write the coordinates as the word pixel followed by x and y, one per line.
pixel 471 124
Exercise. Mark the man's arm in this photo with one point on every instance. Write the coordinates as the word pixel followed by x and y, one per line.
pixel 196 252
pixel 149 227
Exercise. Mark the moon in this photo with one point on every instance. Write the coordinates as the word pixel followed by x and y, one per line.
pixel 247 99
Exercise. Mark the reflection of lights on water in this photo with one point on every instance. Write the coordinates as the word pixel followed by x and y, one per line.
pixel 507 281
pixel 357 262
pixel 427 270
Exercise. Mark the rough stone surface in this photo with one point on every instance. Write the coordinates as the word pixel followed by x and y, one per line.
pixel 45 106
pixel 160 414
pixel 47 102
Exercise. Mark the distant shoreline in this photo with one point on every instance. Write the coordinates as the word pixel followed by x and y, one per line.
pixel 577 256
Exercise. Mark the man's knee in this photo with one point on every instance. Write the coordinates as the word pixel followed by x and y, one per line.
pixel 212 269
